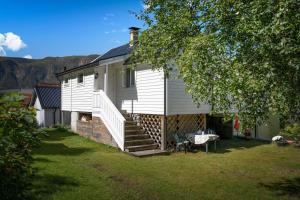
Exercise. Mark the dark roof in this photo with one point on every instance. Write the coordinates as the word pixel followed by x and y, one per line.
pixel 92 64
pixel 49 96
pixel 115 52
pixel 118 51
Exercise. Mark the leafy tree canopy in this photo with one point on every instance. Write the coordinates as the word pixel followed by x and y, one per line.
pixel 231 54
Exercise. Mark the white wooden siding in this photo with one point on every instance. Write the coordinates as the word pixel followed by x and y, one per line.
pixel 40 116
pixel 66 96
pixel 178 101
pixel 44 117
pixel 147 96
pixel 78 96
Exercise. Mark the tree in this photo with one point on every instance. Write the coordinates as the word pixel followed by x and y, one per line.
pixel 18 135
pixel 231 54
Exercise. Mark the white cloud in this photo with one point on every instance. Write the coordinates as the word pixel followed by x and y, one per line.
pixel 2 52
pixel 124 30
pixel 11 42
pixel 28 56
pixel 145 6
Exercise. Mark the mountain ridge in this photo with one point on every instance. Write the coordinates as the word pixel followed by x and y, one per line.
pixel 16 73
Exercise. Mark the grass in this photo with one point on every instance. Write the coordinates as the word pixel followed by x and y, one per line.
pixel 72 167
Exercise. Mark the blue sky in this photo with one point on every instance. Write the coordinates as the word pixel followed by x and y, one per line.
pixel 65 27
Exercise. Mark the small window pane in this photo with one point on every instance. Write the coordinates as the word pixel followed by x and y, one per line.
pixel 80 78
pixel 127 77
pixel 132 77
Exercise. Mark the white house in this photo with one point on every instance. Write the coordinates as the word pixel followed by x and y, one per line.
pixel 46 100
pixel 133 110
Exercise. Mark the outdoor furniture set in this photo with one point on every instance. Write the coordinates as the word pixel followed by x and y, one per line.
pixel 191 140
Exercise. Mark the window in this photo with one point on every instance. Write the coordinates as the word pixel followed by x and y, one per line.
pixel 128 78
pixel 66 80
pixel 80 78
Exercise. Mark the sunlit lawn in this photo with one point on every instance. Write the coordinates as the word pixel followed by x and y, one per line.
pixel 71 167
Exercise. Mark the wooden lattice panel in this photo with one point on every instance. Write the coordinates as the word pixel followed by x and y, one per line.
pixel 152 125
pixel 183 124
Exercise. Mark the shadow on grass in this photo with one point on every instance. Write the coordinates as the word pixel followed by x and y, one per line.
pixel 226 145
pixel 51 144
pixel 59 149
pixel 47 184
pixel 56 135
pixel 289 187
pixel 38 159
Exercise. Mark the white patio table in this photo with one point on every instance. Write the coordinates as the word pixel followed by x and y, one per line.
pixel 199 139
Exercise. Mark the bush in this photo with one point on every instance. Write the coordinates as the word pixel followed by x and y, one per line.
pixel 291 132
pixel 61 127
pixel 18 135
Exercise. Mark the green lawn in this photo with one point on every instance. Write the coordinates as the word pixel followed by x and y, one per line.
pixel 71 167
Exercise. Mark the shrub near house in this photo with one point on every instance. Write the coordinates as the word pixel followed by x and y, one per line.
pixel 18 134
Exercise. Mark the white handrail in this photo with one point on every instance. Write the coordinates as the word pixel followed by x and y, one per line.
pixel 111 116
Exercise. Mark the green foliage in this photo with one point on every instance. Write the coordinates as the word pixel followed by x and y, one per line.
pixel 18 134
pixel 61 127
pixel 292 132
pixel 231 54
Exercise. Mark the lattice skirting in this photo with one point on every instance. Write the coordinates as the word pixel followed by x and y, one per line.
pixel 182 124
pixel 154 126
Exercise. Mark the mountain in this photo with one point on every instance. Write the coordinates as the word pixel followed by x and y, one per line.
pixel 18 73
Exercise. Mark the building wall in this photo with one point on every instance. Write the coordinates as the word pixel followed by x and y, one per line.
pixel 269 129
pixel 178 101
pixel 49 117
pixel 147 96
pixel 95 130
pixel 74 119
pixel 40 116
pixel 66 117
pixel 78 96
pixel 44 117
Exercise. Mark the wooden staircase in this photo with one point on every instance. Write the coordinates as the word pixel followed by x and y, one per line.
pixel 137 142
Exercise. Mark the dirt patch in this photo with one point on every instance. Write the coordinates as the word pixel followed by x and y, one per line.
pixel 99 167
pixel 123 181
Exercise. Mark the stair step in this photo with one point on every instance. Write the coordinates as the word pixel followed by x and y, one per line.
pixel 138 142
pixel 132 132
pixel 149 153
pixel 130 122
pixel 136 137
pixel 132 127
pixel 141 147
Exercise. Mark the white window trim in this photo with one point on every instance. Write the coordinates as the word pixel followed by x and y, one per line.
pixel 124 78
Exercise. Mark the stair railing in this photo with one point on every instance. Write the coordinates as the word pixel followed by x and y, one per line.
pixel 111 117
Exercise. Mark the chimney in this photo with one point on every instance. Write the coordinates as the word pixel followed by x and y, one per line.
pixel 134 34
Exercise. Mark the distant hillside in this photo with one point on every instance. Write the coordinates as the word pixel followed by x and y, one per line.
pixel 26 73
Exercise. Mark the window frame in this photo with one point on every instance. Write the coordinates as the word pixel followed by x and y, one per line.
pixel 129 78
pixel 66 83
pixel 82 82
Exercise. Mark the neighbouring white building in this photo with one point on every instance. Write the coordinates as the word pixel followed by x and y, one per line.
pixel 134 110
pixel 46 100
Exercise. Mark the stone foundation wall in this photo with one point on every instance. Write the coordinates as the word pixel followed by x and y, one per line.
pixel 95 130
